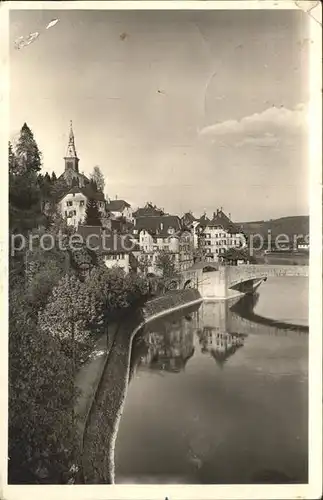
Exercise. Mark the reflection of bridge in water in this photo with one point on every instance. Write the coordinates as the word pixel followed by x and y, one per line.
pixel 221 327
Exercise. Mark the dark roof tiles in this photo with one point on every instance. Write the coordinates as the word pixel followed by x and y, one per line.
pixel 159 225
pixel 117 205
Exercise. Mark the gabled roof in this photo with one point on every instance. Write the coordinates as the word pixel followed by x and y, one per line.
pixel 86 191
pixel 220 219
pixel 121 225
pixel 158 225
pixel 148 210
pixel 106 242
pixel 204 220
pixel 86 179
pixel 117 205
pixel 189 217
pixel 94 195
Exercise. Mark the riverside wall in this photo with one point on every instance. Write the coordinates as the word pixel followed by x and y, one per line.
pixel 101 426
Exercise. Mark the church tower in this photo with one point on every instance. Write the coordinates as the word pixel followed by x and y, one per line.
pixel 71 159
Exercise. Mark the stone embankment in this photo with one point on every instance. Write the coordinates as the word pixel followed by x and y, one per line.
pixel 102 417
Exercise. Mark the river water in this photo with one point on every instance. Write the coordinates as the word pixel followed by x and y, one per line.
pixel 219 393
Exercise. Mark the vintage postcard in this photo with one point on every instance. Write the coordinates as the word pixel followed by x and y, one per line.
pixel 161 250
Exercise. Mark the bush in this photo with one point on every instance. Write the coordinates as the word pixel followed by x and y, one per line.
pixel 41 398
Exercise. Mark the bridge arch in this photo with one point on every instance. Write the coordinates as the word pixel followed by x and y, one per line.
pixel 188 284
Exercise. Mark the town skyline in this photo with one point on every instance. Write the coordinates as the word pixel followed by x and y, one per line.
pixel 168 124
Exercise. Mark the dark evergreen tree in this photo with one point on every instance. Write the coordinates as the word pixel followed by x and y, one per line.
pixel 53 178
pixel 93 186
pixel 25 183
pixel 28 154
pixel 12 159
pixel 92 214
pixel 47 178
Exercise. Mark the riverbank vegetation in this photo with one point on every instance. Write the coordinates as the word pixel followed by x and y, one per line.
pixel 55 317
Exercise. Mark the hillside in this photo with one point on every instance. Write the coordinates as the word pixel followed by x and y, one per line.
pixel 285 225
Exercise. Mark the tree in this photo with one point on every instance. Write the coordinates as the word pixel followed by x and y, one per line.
pixel 112 292
pixel 24 202
pixel 28 154
pixel 68 316
pixel 143 264
pixel 41 398
pixel 57 223
pixel 53 178
pixel 98 178
pixel 165 263
pixel 13 162
pixel 92 214
pixel 93 186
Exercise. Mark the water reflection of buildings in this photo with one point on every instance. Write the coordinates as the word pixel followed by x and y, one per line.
pixel 215 334
pixel 170 344
pixel 220 345
pixel 219 328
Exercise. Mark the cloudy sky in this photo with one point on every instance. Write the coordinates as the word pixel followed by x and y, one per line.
pixel 189 110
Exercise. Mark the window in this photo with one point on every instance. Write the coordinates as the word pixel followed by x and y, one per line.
pixel 69 203
pixel 82 203
pixel 74 212
pixel 65 213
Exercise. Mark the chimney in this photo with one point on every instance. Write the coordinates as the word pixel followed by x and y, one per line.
pixel 214 215
pixel 217 211
pixel 229 216
pixel 116 196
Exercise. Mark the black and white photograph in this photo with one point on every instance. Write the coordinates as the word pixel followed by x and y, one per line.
pixel 162 247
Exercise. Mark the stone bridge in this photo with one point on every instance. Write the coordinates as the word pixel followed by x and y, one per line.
pixel 243 273
pixel 224 282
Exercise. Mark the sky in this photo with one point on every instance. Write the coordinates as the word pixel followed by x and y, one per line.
pixel 189 110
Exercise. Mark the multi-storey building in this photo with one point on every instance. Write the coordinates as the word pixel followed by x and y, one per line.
pixel 117 251
pixel 73 204
pixel 163 233
pixel 120 209
pixel 217 235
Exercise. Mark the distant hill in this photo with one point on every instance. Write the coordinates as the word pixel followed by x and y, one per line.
pixel 290 226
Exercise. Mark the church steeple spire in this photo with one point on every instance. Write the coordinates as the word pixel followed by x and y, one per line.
pixel 71 151
pixel 71 159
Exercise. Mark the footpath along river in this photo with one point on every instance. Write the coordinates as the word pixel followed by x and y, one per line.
pixel 217 398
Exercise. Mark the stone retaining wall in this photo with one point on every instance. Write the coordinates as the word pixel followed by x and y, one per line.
pixel 107 404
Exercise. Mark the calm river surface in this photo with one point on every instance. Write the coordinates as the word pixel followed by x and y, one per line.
pixel 217 397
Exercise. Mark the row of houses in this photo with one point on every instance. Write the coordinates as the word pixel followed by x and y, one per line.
pixel 148 230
